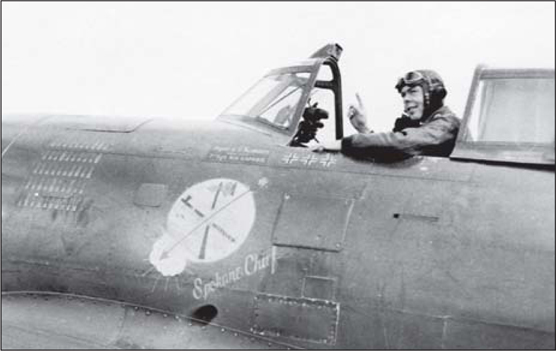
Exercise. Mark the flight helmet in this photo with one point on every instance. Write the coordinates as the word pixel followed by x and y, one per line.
pixel 432 84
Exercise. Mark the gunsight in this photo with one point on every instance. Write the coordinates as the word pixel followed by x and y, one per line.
pixel 307 129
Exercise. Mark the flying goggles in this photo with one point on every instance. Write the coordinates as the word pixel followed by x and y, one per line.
pixel 411 79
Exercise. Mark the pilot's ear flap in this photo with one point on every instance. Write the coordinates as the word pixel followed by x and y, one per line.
pixel 441 92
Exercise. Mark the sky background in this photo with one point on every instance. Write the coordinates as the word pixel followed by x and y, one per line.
pixel 191 60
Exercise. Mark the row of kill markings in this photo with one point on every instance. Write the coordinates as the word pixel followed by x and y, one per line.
pixel 69 204
pixel 64 170
pixel 97 146
pixel 55 185
pixel 69 156
pixel 307 160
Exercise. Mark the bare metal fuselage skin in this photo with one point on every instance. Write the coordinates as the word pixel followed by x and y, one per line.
pixel 339 253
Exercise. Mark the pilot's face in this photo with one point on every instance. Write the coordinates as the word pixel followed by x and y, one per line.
pixel 413 101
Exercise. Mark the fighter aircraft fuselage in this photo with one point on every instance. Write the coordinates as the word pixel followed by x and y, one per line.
pixel 228 225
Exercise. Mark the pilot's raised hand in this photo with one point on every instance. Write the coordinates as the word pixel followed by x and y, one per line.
pixel 358 116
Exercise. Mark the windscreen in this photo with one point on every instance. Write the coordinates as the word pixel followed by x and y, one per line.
pixel 273 100
pixel 513 110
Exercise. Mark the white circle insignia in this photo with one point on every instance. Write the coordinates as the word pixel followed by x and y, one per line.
pixel 207 223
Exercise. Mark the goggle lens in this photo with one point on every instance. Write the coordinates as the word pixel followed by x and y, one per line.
pixel 411 78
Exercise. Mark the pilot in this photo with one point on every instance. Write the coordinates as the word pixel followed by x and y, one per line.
pixel 427 126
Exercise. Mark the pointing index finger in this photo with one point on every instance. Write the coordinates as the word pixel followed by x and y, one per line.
pixel 359 99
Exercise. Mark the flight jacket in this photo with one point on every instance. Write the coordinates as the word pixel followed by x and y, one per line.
pixel 436 136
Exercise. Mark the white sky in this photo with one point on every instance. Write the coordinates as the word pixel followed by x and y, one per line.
pixel 191 60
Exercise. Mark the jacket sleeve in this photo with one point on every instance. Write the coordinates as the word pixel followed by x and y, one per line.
pixel 405 143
